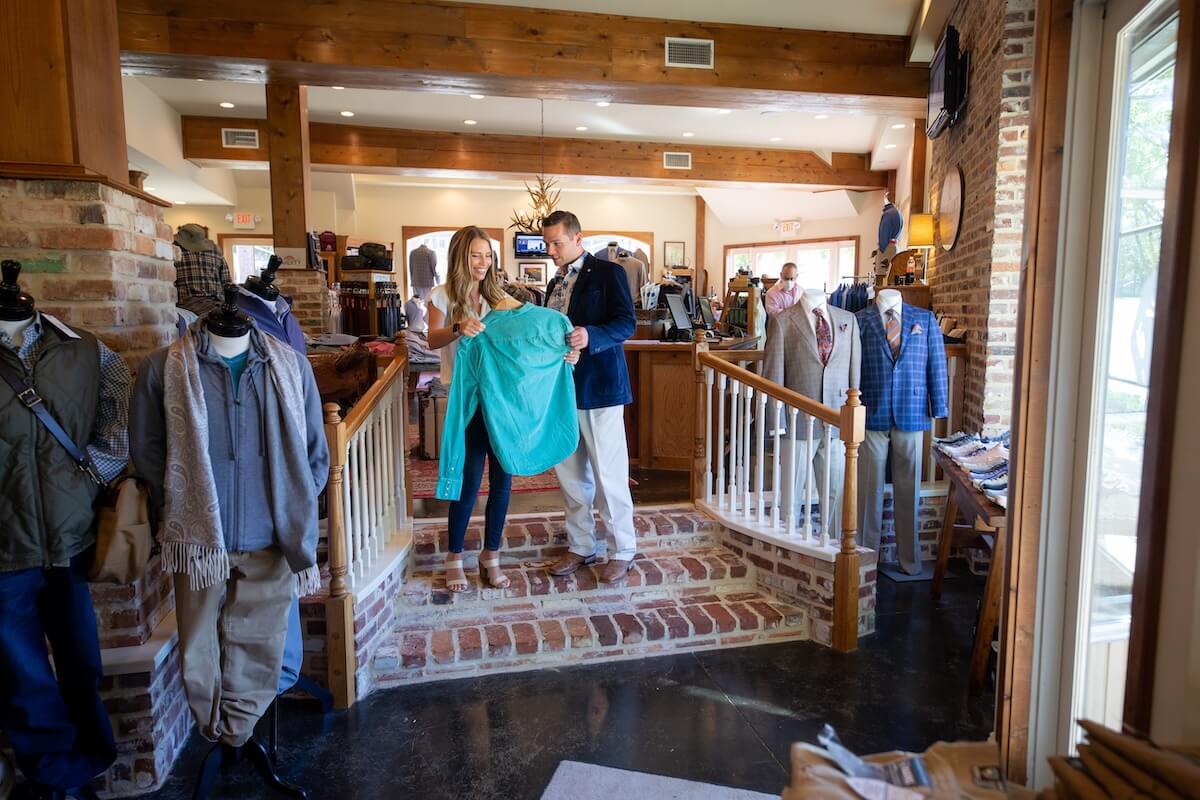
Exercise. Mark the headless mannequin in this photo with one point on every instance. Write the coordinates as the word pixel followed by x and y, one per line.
pixel 263 286
pixel 16 307
pixel 813 299
pixel 229 332
pixel 890 300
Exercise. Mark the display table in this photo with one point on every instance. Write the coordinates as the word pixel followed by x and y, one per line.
pixel 660 423
pixel 986 529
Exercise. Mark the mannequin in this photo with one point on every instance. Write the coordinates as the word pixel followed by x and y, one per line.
pixel 271 311
pixel 795 359
pixel 234 417
pixel 53 717
pixel 904 386
pixel 422 270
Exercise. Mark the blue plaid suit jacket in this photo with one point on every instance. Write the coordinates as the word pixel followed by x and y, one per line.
pixel 905 392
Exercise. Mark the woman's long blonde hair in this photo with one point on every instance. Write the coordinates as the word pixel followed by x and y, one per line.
pixel 459 281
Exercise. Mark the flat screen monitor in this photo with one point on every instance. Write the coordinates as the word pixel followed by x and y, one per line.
pixel 679 315
pixel 706 314
pixel 529 245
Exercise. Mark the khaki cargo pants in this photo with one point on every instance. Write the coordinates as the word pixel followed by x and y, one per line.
pixel 231 637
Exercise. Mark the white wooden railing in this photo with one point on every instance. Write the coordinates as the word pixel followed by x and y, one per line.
pixel 367 495
pixel 741 413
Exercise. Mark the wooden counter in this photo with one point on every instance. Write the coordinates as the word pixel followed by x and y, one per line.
pixel 660 422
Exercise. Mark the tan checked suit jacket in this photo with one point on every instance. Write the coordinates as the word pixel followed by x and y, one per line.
pixel 791 358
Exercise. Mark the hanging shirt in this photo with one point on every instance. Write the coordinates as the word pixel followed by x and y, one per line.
pixel 515 371
pixel 441 301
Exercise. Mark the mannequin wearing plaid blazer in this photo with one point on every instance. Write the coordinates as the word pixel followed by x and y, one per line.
pixel 791 359
pixel 902 392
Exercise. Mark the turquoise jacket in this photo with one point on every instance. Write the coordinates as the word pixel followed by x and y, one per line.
pixel 516 372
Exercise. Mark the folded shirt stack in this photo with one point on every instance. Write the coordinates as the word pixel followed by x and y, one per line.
pixel 984 458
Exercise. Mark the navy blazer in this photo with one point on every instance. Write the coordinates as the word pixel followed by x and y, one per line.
pixel 600 302
pixel 904 392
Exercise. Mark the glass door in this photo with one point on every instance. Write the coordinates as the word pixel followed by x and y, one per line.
pixel 1129 170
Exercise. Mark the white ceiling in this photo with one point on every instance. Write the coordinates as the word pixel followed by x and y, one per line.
pixel 517 115
pixel 862 16
pixel 747 206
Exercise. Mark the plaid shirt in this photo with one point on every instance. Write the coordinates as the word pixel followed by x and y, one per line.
pixel 199 279
pixel 560 298
pixel 109 446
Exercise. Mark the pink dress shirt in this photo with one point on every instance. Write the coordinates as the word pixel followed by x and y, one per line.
pixel 779 298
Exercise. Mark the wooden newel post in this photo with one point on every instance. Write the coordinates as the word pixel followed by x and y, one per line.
pixel 339 608
pixel 845 578
pixel 700 432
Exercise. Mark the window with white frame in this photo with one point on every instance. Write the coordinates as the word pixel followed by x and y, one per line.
pixel 820 264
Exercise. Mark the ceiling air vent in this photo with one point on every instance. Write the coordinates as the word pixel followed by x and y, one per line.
pixel 245 138
pixel 689 53
pixel 677 160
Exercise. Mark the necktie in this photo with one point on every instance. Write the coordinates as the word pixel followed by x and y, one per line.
pixel 893 333
pixel 824 337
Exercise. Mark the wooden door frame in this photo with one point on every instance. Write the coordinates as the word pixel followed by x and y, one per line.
pixel 1032 391
pixel 1162 403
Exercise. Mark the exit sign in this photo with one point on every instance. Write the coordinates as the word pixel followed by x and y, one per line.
pixel 243 220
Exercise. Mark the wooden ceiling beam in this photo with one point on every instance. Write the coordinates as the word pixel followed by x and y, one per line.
pixel 368 149
pixel 504 50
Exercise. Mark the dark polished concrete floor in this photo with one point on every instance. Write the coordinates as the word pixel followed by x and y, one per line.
pixel 654 487
pixel 726 717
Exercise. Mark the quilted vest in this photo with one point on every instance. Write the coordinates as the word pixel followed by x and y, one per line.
pixel 45 501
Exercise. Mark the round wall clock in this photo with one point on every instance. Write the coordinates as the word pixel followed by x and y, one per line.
pixel 949 212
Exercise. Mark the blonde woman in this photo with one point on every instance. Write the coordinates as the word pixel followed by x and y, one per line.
pixel 459 308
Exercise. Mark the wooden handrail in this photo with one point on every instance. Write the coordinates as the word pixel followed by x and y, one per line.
pixel 367 403
pixel 806 405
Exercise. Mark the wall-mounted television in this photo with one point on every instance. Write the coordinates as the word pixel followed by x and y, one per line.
pixel 947 84
pixel 529 245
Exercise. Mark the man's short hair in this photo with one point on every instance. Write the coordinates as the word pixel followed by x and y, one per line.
pixel 785 266
pixel 569 221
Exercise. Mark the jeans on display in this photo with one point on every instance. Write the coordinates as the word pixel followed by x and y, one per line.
pixel 57 726
pixel 499 490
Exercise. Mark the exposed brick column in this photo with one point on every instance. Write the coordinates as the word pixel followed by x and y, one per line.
pixel 977 281
pixel 94 257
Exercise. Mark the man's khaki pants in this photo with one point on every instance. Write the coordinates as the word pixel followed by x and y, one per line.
pixel 231 637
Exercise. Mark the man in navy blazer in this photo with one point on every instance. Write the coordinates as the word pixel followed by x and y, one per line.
pixel 595 295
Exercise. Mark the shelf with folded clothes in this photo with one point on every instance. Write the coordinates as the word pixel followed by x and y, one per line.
pixel 985 459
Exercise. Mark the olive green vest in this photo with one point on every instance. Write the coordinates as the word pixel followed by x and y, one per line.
pixel 45 501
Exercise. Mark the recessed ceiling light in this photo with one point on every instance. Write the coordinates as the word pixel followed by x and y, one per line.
pixel 821 116
pixel 476 97
pixel 150 189
pixel 347 113
pixel 603 103
pixel 199 80
pixel 725 111
pixel 688 134
pixel 581 127
pixel 899 125
pixel 181 202
pixel 889 147
pixel 469 122
pixel 776 138
pixel 337 88
pixel 226 104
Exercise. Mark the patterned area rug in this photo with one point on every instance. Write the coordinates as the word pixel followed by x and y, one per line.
pixel 424 475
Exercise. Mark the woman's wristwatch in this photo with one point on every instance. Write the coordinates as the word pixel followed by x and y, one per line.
pixel 456 329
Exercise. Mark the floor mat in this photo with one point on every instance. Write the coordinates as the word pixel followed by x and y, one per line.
pixel 577 781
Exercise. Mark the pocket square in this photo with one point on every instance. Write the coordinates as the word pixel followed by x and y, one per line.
pixel 843 327
pixel 916 328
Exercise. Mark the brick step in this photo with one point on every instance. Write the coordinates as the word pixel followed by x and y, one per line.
pixel 545 537
pixel 424 600
pixel 523 636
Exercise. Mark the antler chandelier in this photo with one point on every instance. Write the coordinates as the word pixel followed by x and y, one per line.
pixel 543 199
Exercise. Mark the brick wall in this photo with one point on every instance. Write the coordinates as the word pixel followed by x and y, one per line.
pixel 94 257
pixel 128 615
pixel 310 297
pixel 977 281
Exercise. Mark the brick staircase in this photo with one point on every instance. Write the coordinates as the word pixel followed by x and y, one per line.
pixel 686 591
